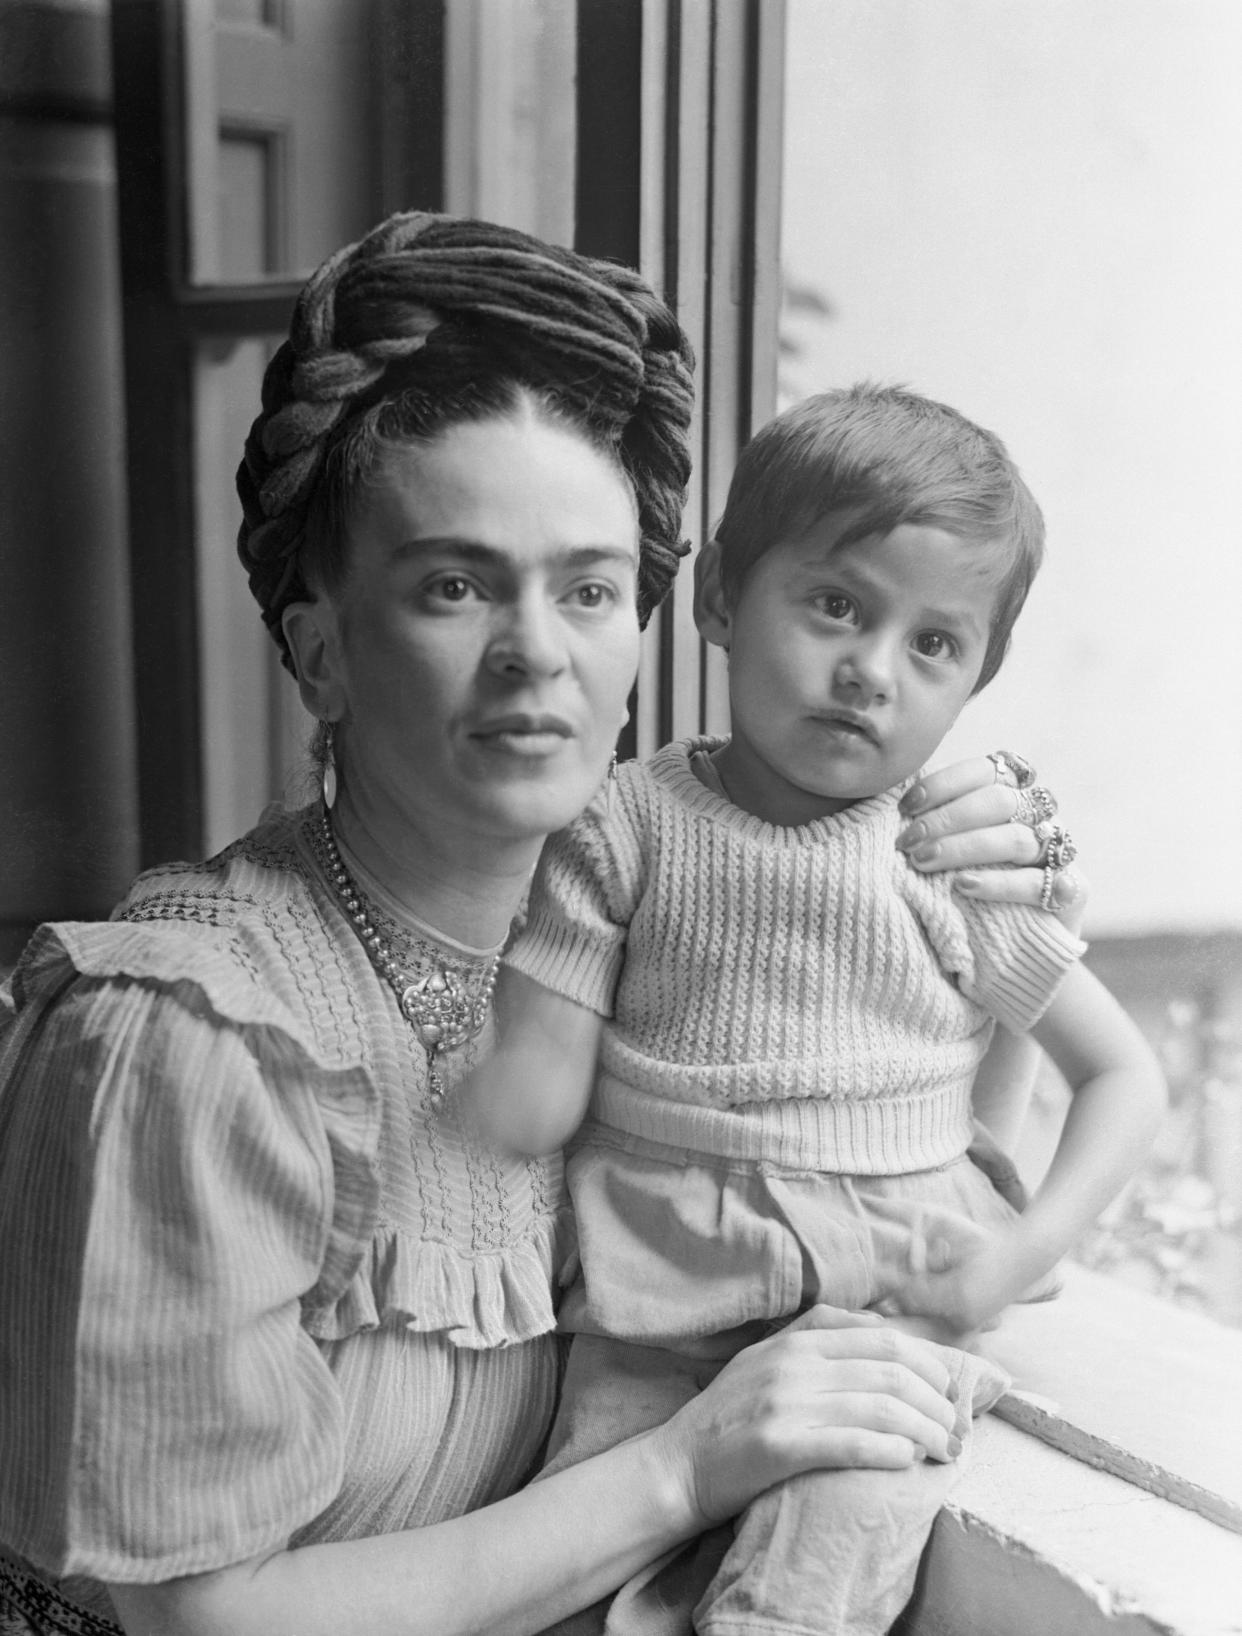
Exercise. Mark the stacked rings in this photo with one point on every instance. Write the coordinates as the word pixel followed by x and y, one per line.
pixel 1057 849
pixel 1011 769
pixel 1035 806
pixel 1056 852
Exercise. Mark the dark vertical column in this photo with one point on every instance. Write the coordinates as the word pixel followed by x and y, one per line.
pixel 410 78
pixel 159 455
pixel 67 825
pixel 608 188
pixel 609 194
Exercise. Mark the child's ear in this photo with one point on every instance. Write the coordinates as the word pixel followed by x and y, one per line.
pixel 711 610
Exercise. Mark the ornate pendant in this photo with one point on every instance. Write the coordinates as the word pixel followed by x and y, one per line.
pixel 442 1015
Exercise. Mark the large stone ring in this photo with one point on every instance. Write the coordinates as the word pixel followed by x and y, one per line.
pixel 1034 806
pixel 1056 847
pixel 1059 850
pixel 1011 769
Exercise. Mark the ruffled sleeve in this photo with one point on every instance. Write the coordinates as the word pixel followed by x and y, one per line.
pixel 583 895
pixel 180 1173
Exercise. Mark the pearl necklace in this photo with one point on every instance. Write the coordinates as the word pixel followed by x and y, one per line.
pixel 439 1007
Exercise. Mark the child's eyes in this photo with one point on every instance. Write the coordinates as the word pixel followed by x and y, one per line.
pixel 935 645
pixel 836 605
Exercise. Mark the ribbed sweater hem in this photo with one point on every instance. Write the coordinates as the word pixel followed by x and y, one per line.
pixel 887 1136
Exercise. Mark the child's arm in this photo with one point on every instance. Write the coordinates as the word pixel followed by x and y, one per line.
pixel 1118 1099
pixel 530 1095
pixel 1001 1093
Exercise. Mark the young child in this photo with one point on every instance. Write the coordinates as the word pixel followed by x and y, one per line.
pixel 787 1015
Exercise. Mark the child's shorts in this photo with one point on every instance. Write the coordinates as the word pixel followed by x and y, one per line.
pixel 679 1247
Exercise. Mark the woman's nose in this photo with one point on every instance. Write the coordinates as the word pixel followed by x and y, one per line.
pixel 528 640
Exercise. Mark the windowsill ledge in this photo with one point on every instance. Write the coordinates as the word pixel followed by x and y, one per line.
pixel 1034 1543
pixel 1108 1505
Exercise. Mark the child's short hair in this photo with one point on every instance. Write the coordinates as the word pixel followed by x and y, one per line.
pixel 886 456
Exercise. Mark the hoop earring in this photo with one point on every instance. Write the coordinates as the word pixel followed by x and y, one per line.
pixel 327 765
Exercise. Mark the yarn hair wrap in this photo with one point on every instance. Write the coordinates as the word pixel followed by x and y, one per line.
pixel 419 310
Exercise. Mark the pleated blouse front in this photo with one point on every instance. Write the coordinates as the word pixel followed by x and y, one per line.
pixel 255 1287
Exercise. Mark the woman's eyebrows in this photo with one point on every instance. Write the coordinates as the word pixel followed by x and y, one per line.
pixel 464 549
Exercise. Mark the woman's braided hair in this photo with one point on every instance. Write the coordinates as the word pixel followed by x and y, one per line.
pixel 430 321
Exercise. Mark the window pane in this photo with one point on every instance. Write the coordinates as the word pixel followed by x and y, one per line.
pixel 1031 211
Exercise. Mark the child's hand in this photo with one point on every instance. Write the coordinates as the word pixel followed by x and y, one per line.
pixel 957 1285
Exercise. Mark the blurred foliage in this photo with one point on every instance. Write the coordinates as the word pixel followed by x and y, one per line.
pixel 1176 1229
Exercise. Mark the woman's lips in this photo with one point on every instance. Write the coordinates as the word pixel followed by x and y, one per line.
pixel 522 735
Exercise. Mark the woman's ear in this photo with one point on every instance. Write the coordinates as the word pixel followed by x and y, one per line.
pixel 311 630
pixel 711 608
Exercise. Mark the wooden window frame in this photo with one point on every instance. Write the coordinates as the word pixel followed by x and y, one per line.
pixel 166 320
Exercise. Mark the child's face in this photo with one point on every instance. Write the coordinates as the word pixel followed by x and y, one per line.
pixel 847 665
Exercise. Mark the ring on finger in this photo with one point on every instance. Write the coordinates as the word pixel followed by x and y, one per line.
pixel 1048 890
pixel 1056 846
pixel 1011 769
pixel 1034 806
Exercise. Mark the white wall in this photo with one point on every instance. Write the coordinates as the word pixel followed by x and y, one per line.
pixel 1031 208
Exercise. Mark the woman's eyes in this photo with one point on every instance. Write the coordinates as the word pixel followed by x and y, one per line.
pixel 457 588
pixel 450 588
pixel 594 594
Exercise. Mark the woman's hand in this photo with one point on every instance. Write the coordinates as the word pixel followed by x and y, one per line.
pixel 835 1389
pixel 963 817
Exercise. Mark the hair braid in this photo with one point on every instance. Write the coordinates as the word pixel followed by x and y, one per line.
pixel 428 321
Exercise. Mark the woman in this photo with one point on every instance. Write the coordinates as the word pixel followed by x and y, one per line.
pixel 277 1333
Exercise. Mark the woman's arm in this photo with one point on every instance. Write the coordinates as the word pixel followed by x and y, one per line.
pixel 835 1390
pixel 529 1096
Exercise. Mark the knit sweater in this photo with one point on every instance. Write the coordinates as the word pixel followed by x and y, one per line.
pixel 799 995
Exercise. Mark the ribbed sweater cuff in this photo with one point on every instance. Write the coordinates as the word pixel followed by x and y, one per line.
pixel 560 959
pixel 1026 986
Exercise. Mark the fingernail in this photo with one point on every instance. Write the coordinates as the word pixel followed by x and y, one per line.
pixel 955 1447
pixel 913 799
pixel 911 836
pixel 926 854
pixel 967 882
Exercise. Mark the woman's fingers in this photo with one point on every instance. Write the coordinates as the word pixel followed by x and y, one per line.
pixel 990 808
pixel 948 783
pixel 839 1450
pixel 896 1374
pixel 1069 890
pixel 865 1337
pixel 976 839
